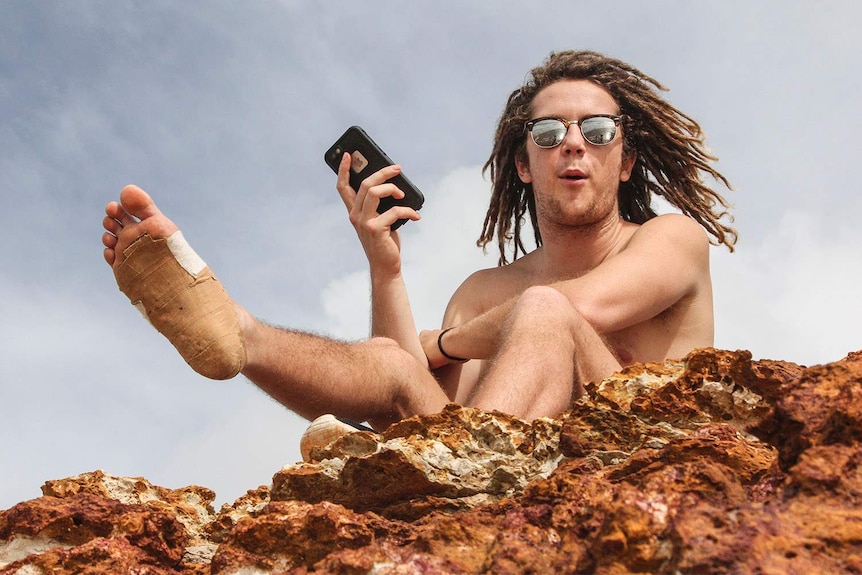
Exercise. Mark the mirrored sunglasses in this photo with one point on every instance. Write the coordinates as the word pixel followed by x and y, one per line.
pixel 598 130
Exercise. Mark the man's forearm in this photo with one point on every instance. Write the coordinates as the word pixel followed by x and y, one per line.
pixel 392 316
pixel 480 337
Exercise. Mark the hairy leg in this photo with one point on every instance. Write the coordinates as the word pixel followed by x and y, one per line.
pixel 375 380
pixel 548 353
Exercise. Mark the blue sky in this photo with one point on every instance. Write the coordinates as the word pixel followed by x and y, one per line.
pixel 223 110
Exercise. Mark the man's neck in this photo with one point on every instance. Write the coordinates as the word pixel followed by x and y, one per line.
pixel 573 251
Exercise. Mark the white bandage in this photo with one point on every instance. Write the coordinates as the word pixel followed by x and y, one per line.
pixel 185 255
pixel 139 305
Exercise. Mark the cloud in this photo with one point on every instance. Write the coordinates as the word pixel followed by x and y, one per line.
pixel 794 294
pixel 235 451
pixel 347 307
pixel 443 251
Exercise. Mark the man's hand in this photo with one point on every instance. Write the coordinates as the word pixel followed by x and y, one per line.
pixel 382 246
pixel 428 339
pixel 434 351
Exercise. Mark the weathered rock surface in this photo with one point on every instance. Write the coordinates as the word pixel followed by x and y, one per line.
pixel 713 464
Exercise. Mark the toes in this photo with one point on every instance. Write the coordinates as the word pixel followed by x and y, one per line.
pixel 133 216
pixel 138 203
pixel 110 256
pixel 118 214
pixel 109 240
pixel 112 225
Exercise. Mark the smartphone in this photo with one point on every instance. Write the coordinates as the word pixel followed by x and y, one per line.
pixel 367 158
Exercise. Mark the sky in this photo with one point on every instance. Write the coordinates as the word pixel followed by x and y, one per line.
pixel 223 110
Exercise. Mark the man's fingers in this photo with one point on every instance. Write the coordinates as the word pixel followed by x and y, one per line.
pixel 385 220
pixel 374 185
pixel 381 175
pixel 382 191
pixel 362 204
pixel 367 202
pixel 347 193
pixel 396 213
pixel 428 339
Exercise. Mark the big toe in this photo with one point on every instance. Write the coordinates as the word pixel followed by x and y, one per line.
pixel 138 203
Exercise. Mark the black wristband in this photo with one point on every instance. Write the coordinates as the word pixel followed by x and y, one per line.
pixel 446 355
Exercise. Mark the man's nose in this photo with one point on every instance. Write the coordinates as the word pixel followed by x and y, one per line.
pixel 574 142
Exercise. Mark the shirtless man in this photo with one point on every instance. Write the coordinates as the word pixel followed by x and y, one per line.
pixel 580 147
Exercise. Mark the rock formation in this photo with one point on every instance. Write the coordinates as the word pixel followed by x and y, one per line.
pixel 712 464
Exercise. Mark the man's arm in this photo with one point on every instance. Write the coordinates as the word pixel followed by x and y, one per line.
pixel 661 265
pixel 457 379
pixel 391 315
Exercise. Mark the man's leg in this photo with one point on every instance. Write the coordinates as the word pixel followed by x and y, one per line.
pixel 549 351
pixel 372 381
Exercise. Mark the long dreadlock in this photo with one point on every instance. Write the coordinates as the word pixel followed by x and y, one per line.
pixel 671 155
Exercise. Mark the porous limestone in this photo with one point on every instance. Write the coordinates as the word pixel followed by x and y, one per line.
pixel 712 464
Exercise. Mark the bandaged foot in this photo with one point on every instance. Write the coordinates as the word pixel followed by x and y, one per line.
pixel 173 287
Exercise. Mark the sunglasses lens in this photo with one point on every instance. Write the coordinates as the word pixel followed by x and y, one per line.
pixel 599 131
pixel 548 133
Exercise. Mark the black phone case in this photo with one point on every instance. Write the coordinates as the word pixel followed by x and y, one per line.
pixel 356 139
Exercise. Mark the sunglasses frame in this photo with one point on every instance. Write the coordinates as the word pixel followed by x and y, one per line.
pixel 568 123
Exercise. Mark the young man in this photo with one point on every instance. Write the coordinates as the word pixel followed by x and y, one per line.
pixel 580 148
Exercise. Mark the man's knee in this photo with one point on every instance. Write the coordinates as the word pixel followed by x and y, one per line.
pixel 544 304
pixel 543 295
pixel 410 386
pixel 390 357
pixel 384 344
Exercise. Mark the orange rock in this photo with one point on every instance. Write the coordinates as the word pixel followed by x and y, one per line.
pixel 712 464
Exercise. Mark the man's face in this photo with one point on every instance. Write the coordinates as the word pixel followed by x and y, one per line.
pixel 575 183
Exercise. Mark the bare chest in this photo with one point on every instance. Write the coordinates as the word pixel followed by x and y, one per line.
pixel 670 335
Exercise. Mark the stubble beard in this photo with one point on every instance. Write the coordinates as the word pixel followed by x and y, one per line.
pixel 553 213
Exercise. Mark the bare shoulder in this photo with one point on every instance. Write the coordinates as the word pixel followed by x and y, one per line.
pixel 675 224
pixel 669 252
pixel 466 302
pixel 673 232
pixel 487 288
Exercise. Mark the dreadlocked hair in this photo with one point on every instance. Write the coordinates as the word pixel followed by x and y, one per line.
pixel 671 155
